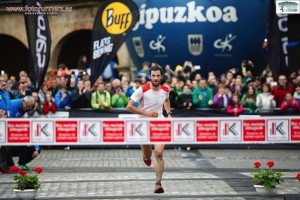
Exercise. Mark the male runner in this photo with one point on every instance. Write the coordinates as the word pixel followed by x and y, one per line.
pixel 152 97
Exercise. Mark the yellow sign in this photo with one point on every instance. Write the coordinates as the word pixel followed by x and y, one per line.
pixel 116 18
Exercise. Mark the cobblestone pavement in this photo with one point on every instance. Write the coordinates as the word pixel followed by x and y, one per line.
pixel 120 174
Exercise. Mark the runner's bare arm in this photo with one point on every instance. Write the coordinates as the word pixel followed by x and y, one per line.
pixel 131 108
pixel 167 106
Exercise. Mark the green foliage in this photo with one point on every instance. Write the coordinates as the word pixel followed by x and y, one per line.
pixel 267 177
pixel 28 181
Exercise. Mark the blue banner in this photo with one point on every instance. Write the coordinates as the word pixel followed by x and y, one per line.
pixel 217 35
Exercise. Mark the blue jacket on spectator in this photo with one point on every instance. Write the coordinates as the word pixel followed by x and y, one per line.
pixel 37 147
pixel 15 109
pixel 5 103
pixel 61 104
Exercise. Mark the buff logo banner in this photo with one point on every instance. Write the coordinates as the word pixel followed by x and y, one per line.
pixel 278 41
pixel 39 42
pixel 114 21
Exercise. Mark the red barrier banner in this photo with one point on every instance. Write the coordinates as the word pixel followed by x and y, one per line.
pixel 207 131
pixel 160 131
pixel 18 131
pixel 111 131
pixel 254 130
pixel 295 129
pixel 66 131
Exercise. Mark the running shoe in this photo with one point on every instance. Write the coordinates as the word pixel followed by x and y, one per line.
pixel 24 167
pixel 147 162
pixel 158 189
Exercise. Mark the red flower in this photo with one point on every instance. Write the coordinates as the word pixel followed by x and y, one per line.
pixel 14 169
pixel 298 176
pixel 270 163
pixel 22 173
pixel 38 170
pixel 257 164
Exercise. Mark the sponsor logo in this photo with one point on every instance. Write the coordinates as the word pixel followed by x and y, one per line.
pixel 136 130
pixel 225 44
pixel 42 130
pixel 282 26
pixel 89 129
pixel 277 128
pixel 230 129
pixel 190 13
pixel 103 46
pixel 183 130
pixel 288 7
pixel 138 46
pixel 157 45
pixel 195 44
pixel 116 18
pixel 41 41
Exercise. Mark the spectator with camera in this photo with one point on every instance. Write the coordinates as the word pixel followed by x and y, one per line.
pixel 37 107
pixel 248 70
pixel 20 106
pixel 119 99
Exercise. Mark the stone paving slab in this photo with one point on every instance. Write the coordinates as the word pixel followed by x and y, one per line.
pixel 244 158
pixel 120 174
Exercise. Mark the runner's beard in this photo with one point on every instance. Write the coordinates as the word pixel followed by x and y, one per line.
pixel 155 84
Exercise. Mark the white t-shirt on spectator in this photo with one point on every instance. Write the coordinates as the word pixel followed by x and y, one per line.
pixel 150 99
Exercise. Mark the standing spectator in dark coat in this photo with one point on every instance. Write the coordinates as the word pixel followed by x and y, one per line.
pixel 185 99
pixel 81 98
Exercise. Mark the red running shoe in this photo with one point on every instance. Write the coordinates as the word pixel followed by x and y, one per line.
pixel 158 189
pixel 147 162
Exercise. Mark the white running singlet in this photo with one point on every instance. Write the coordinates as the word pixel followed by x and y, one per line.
pixel 150 99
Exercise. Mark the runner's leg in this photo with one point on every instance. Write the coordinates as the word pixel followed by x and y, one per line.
pixel 160 164
pixel 147 151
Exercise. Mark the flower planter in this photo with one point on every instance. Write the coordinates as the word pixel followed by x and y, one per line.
pixel 26 194
pixel 265 192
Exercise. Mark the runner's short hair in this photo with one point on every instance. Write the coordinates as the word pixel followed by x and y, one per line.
pixel 156 68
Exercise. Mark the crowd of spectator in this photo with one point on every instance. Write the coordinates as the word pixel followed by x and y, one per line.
pixel 232 91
